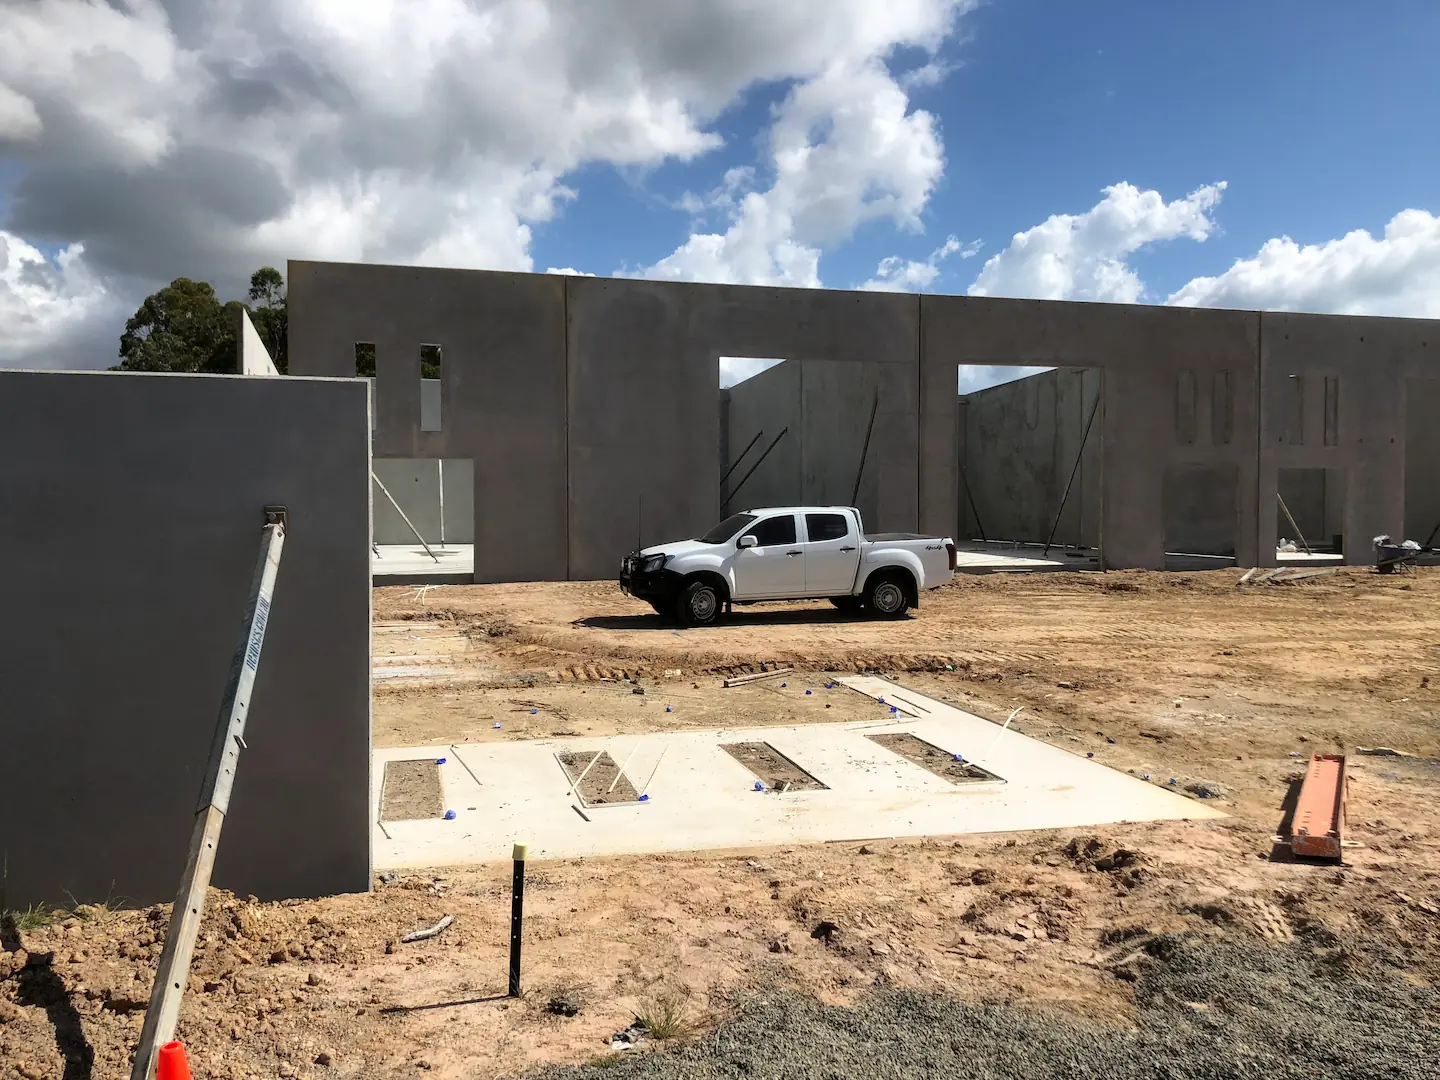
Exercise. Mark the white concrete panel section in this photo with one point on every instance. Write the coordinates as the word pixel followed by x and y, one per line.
pixel 407 563
pixel 430 398
pixel 254 357
pixel 702 798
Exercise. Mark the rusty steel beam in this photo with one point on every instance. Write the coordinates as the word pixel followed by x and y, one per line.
pixel 1319 828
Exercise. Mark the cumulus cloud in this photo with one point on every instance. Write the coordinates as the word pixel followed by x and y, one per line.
pixel 1083 256
pixel 1358 274
pixel 895 274
pixel 169 138
pixel 844 148
pixel 47 305
pixel 569 271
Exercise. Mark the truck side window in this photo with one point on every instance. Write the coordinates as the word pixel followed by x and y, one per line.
pixel 775 531
pixel 826 527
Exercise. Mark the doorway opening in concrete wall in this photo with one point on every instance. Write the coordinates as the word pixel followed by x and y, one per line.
pixel 1309 515
pixel 423 520
pixel 1028 448
pixel 1201 506
pixel 815 432
pixel 1422 461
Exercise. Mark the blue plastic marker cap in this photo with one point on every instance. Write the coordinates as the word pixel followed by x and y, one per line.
pixel 882 701
pixel 783 685
pixel 644 798
pixel 669 709
pixel 759 785
pixel 1090 754
pixel 534 711
pixel 893 709
pixel 1172 780
pixel 449 815
pixel 497 723
pixel 959 757
pixel 809 691
pixel 439 761
pixel 1146 776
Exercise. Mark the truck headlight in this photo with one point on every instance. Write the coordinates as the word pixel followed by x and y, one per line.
pixel 650 563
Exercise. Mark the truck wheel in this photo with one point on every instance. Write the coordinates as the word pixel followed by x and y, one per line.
pixel 885 596
pixel 698 604
pixel 847 604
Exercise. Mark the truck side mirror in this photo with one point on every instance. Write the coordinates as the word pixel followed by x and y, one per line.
pixel 747 541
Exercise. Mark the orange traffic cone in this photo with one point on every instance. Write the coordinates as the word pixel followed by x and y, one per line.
pixel 172 1064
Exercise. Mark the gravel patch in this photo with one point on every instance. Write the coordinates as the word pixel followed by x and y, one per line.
pixel 1208 1010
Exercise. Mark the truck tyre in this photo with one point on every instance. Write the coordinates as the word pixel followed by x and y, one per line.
pixel 885 596
pixel 848 604
pixel 698 604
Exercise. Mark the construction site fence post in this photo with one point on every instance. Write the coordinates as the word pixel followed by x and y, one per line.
pixel 517 916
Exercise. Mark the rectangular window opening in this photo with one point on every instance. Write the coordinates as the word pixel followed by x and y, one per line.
pixel 365 369
pixel 430 388
pixel 1294 431
pixel 603 783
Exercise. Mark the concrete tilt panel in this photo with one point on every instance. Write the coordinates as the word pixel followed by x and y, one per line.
pixel 591 406
pixel 132 508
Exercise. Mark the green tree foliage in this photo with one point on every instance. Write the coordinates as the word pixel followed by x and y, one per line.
pixel 184 327
pixel 269 314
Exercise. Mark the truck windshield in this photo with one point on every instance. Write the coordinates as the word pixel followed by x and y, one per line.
pixel 727 528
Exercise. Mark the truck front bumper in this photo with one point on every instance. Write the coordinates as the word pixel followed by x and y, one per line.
pixel 659 588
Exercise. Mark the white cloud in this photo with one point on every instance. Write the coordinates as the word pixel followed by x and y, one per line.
pixel 44 303
pixel 170 138
pixel 1358 274
pixel 1083 256
pixel 569 271
pixel 844 148
pixel 895 274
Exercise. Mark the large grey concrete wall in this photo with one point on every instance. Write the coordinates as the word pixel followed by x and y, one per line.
pixel 1020 445
pixel 415 485
pixel 590 405
pixel 1422 459
pixel 503 389
pixel 132 507
pixel 1146 356
pixel 1355 425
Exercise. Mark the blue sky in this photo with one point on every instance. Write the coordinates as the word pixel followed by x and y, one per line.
pixel 1280 155
pixel 1322 117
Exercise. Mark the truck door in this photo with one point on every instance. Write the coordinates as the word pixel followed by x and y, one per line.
pixel 775 566
pixel 831 554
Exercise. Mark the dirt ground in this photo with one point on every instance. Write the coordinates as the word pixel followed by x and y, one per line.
pixel 1173 675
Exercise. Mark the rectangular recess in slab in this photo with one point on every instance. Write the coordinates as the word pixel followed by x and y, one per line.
pixel 777 771
pixel 600 786
pixel 931 758
pixel 411 791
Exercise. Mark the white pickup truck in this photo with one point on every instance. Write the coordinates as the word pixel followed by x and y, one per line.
pixel 788 553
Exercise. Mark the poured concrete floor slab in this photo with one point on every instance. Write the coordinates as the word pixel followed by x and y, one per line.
pixel 408 564
pixel 976 557
pixel 700 797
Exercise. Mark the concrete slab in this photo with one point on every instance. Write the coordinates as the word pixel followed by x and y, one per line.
pixel 701 798
pixel 408 564
pixel 974 557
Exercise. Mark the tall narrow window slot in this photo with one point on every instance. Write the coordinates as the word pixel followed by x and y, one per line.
pixel 430 396
pixel 365 369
